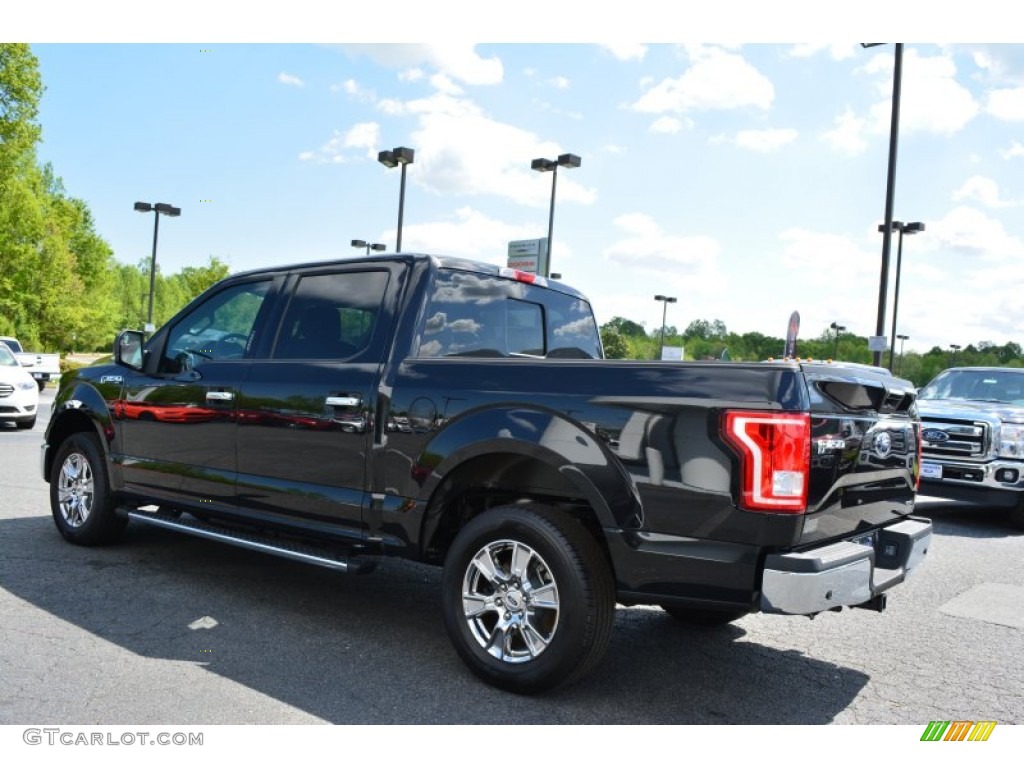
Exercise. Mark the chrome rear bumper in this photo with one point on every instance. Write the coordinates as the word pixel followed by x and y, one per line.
pixel 848 573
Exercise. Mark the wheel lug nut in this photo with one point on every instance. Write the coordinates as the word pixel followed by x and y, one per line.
pixel 508 616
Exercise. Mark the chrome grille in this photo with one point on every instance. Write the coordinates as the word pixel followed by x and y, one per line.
pixel 6 390
pixel 965 439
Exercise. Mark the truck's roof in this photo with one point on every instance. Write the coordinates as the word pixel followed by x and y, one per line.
pixel 440 262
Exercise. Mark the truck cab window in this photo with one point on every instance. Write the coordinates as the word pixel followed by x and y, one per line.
pixel 332 316
pixel 474 315
pixel 218 329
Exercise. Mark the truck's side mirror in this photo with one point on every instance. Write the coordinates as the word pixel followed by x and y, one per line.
pixel 128 349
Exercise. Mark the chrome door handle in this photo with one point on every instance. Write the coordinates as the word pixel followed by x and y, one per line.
pixel 221 396
pixel 343 402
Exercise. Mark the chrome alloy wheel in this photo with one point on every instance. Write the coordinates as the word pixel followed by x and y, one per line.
pixel 75 490
pixel 510 601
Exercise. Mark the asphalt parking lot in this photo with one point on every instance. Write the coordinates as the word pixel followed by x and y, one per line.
pixel 165 628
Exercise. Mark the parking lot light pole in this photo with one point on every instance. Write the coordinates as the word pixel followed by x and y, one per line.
pixel 390 158
pixel 665 301
pixel 368 246
pixel 543 165
pixel 837 328
pixel 954 347
pixel 910 228
pixel 890 188
pixel 166 210
pixel 902 338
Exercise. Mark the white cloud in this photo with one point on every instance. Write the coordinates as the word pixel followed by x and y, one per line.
pixel 690 261
pixel 848 134
pixel 292 80
pixel 838 51
pixel 469 234
pixel 365 136
pixel 668 125
pixel 963 236
pixel 459 61
pixel 350 86
pixel 626 51
pixel 931 99
pixel 613 149
pixel 1006 104
pixel 1016 149
pixel 415 74
pixel 968 232
pixel 716 79
pixel 805 251
pixel 444 84
pixel 561 83
pixel 353 89
pixel 767 140
pixel 462 151
pixel 985 191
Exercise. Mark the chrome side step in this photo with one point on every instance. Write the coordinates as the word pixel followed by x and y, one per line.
pixel 305 553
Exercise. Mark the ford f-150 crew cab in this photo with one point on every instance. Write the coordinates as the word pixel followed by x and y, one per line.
pixel 461 414
pixel 972 427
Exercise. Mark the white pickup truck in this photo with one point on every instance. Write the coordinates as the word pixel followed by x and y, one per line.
pixel 43 366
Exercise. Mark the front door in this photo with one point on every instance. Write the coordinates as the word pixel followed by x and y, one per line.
pixel 178 423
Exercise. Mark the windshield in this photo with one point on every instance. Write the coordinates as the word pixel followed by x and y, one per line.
pixel 6 356
pixel 1003 386
pixel 12 344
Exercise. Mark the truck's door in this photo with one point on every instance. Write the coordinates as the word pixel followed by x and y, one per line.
pixel 306 411
pixel 178 421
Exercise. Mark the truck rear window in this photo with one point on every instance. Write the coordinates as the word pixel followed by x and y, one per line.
pixel 476 315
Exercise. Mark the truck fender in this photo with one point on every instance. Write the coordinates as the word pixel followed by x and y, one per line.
pixel 579 456
pixel 77 409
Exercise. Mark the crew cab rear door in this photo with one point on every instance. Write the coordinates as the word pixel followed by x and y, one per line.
pixel 306 413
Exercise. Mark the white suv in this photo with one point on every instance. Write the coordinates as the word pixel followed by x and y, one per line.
pixel 19 394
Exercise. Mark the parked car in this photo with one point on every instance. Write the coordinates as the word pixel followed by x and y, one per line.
pixel 19 396
pixel 43 366
pixel 972 429
pixel 548 483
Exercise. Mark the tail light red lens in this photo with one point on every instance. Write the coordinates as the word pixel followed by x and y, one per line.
pixel 775 456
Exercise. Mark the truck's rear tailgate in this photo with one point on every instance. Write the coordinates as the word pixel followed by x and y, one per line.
pixel 865 438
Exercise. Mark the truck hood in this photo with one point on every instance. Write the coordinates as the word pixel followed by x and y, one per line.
pixel 970 409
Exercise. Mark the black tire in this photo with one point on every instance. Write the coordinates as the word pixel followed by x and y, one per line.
pixel 41 384
pixel 80 497
pixel 559 564
pixel 28 424
pixel 703 617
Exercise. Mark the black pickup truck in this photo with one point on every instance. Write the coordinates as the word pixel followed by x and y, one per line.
pixel 460 414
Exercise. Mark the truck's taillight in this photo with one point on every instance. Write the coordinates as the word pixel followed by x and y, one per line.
pixel 775 456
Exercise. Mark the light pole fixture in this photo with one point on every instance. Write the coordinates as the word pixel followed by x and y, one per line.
pixel 543 165
pixel 890 188
pixel 665 301
pixel 910 228
pixel 157 209
pixel 837 328
pixel 389 158
pixel 368 246
pixel 902 337
pixel 954 347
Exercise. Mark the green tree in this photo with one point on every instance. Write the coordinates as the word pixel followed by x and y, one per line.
pixel 615 346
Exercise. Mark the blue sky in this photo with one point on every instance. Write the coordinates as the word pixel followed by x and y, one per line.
pixel 746 179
